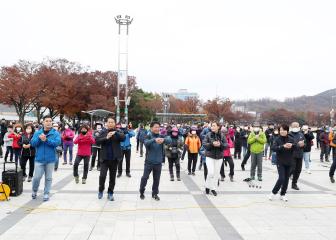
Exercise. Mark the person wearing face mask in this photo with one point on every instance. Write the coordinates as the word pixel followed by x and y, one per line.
pixel 227 158
pixel 298 146
pixel 269 132
pixel 96 148
pixel 332 138
pixel 193 145
pixel 16 136
pixel 84 141
pixel 283 147
pixel 243 136
pixel 126 150
pixel 309 136
pixel 256 140
pixel 28 152
pixel 214 143
pixel 59 148
pixel 67 138
pixel 9 143
pixel 237 144
pixel 324 144
pixel 173 151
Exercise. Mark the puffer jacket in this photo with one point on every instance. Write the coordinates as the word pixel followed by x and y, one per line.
pixel 177 143
pixel 211 150
pixel 227 152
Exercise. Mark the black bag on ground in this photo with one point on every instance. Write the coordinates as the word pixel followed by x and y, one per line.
pixel 14 179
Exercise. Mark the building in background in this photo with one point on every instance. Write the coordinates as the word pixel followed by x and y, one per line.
pixel 183 94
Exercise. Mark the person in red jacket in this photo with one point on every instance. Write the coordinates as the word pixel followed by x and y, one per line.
pixel 227 156
pixel 84 141
pixel 16 135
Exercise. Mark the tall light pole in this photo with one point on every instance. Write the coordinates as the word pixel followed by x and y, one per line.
pixel 165 103
pixel 123 24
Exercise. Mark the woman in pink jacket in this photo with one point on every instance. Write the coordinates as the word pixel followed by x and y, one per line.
pixel 84 141
pixel 67 139
pixel 227 156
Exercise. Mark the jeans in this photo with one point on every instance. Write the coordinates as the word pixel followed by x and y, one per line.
pixel 156 168
pixel 127 155
pixel 111 166
pixel 231 164
pixel 86 165
pixel 23 163
pixel 306 158
pixel 256 161
pixel 9 151
pixel 192 161
pixel 57 160
pixel 171 162
pixel 67 147
pixel 17 154
pixel 244 151
pixel 283 171
pixel 333 166
pixel 267 146
pixel 40 169
pixel 213 167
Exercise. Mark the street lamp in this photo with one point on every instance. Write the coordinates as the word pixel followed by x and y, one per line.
pixel 123 24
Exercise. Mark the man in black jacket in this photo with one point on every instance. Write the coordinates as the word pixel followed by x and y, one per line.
pixel 109 139
pixel 309 136
pixel 298 146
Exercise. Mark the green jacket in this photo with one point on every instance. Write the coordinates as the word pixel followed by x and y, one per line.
pixel 257 143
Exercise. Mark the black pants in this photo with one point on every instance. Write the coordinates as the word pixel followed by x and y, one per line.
pixel 333 165
pixel 23 163
pixel 127 155
pixel 246 157
pixel 110 166
pixel 296 169
pixel 17 154
pixel 284 172
pixel 9 150
pixel 205 171
pixel 1 151
pixel 137 146
pixel 324 152
pixel 156 168
pixel 318 143
pixel 192 161
pixel 231 164
pixel 86 165
pixel 171 162
pixel 95 152
pixel 141 148
pixel 237 151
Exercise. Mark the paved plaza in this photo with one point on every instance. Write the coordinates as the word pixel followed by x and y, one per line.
pixel 184 212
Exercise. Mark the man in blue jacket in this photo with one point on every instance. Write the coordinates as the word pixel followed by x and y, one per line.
pixel 126 150
pixel 45 142
pixel 154 159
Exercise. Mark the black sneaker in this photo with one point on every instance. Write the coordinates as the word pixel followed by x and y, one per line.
pixel 207 191
pixel 189 173
pixel 142 196
pixel 90 169
pixel 332 180
pixel 222 178
pixel 193 174
pixel 231 178
pixel 214 192
pixel 243 167
pixel 128 175
pixel 172 179
pixel 295 187
pixel 178 179
pixel 119 175
pixel 156 197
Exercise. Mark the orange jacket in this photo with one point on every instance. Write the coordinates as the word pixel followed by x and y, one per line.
pixel 331 137
pixel 193 143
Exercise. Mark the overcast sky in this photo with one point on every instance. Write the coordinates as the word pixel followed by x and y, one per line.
pixel 231 48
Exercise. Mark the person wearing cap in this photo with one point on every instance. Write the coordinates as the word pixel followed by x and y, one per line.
pixel 309 136
pixel 332 138
pixel 173 152
pixel 126 150
pixel 193 145
pixel 256 140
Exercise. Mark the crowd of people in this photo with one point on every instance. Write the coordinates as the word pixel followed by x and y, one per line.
pixel 217 145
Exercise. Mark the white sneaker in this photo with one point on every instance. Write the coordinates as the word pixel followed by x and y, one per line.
pixel 284 198
pixel 271 196
pixel 308 171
